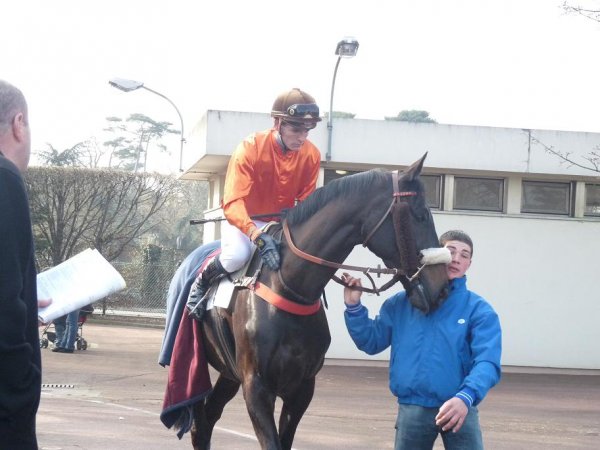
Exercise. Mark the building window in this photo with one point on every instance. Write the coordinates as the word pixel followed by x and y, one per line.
pixel 543 197
pixel 592 199
pixel 483 194
pixel 433 191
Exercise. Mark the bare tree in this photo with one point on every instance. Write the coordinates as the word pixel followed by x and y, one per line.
pixel 74 208
pixel 75 205
pixel 590 161
pixel 587 12
pixel 130 209
pixel 83 154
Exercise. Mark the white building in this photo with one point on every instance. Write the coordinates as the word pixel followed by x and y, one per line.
pixel 535 220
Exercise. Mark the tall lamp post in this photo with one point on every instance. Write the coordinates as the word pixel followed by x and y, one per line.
pixel 346 48
pixel 131 85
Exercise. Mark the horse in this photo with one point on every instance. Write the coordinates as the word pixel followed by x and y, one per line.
pixel 276 353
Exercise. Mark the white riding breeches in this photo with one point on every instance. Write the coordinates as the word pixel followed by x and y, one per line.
pixel 236 247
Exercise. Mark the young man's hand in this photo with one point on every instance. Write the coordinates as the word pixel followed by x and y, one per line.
pixel 351 296
pixel 452 415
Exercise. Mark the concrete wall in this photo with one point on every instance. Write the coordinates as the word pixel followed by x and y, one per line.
pixel 389 143
pixel 454 147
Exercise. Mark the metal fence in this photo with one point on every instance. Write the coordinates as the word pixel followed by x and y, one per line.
pixel 146 291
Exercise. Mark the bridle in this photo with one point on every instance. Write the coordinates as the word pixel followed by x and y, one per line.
pixel 405 243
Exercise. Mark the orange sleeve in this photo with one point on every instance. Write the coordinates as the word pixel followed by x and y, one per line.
pixel 236 214
pixel 238 182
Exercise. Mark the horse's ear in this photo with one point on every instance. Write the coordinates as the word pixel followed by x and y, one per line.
pixel 415 169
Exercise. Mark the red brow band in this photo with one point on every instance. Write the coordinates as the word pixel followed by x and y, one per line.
pixel 405 194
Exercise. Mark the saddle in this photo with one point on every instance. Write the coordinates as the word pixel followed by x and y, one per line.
pixel 221 294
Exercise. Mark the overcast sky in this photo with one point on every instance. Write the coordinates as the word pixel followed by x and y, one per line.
pixel 503 63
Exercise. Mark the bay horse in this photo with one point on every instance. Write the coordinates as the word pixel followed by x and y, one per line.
pixel 275 353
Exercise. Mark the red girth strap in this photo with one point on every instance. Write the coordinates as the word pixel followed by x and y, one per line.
pixel 278 301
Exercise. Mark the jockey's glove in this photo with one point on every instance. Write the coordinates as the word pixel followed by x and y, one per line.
pixel 267 247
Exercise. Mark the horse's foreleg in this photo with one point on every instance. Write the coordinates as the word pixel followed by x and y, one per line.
pixel 294 407
pixel 224 390
pixel 206 414
pixel 200 435
pixel 260 402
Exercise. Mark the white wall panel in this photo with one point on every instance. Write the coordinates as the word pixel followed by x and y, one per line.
pixel 541 276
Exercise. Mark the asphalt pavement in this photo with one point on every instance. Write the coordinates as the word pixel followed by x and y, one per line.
pixel 109 396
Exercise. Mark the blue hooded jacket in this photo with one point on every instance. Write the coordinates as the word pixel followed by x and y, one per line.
pixel 454 349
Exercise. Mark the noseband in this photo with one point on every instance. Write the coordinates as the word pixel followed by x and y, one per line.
pixel 404 243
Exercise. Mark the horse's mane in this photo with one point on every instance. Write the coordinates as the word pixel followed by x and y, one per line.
pixel 347 186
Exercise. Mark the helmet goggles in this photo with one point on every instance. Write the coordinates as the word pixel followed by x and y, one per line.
pixel 302 110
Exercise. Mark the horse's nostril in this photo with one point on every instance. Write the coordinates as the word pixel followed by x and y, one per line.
pixel 444 294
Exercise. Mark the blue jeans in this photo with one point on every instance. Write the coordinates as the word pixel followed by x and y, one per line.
pixel 416 430
pixel 60 325
pixel 67 338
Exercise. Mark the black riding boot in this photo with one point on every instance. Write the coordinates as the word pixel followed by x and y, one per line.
pixel 196 303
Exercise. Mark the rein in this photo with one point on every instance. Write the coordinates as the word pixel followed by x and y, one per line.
pixel 323 262
pixel 401 243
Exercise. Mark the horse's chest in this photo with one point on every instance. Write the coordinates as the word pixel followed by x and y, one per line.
pixel 288 343
pixel 288 347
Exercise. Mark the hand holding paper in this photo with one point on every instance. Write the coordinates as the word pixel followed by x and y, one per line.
pixel 42 303
pixel 76 282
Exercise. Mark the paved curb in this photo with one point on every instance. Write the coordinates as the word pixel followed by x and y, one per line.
pixel 127 320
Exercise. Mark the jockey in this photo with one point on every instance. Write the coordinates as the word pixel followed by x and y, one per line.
pixel 268 172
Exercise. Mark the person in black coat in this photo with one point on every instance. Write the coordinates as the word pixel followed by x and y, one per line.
pixel 20 367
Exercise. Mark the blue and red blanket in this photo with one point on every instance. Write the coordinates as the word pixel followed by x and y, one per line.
pixel 182 350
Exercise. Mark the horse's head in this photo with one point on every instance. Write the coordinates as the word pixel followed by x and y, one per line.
pixel 405 232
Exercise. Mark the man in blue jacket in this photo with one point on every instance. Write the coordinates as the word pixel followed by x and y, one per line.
pixel 442 364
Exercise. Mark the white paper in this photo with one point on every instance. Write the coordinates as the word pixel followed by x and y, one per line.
pixel 77 282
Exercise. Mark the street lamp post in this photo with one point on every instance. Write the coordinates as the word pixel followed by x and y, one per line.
pixel 131 85
pixel 346 48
